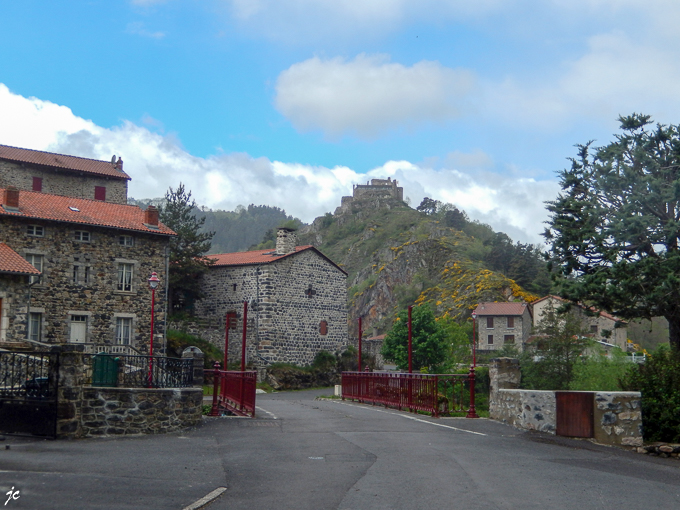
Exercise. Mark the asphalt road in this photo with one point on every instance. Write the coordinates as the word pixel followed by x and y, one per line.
pixel 302 453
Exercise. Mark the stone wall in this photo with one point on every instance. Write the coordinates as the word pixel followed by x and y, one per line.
pixel 525 409
pixel 91 290
pixel 122 411
pixel 62 182
pixel 288 299
pixel 521 330
pixel 618 418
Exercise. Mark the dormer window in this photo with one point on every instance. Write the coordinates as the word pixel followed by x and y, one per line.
pixel 35 230
pixel 82 235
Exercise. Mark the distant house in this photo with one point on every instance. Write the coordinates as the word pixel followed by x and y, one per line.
pixel 500 324
pixel 601 326
pixel 297 301
pixel 74 262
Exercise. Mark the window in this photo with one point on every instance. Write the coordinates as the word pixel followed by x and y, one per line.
pixel 593 328
pixel 511 322
pixel 37 262
pixel 235 287
pixel 126 240
pixel 123 330
pixel 78 328
pixel 509 339
pixel 35 230
pixel 232 320
pixel 489 339
pixel 37 184
pixel 125 277
pixel 323 328
pixel 82 236
pixel 76 271
pixel 489 322
pixel 86 276
pixel 100 193
pixel 34 326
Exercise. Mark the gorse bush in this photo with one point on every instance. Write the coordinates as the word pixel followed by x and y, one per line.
pixel 659 381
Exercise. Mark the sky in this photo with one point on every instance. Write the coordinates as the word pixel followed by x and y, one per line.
pixel 289 103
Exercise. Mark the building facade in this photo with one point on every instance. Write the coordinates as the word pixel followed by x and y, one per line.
pixel 296 302
pixel 501 324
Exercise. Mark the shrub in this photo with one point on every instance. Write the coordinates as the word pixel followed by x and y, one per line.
pixel 599 373
pixel 178 341
pixel 659 381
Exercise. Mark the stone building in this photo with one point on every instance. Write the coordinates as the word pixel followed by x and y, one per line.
pixel 57 174
pixel 297 302
pixel 601 326
pixel 93 258
pixel 499 324
pixel 377 189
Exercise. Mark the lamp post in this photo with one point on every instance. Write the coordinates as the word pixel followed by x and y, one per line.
pixel 472 413
pixel 153 283
pixel 474 340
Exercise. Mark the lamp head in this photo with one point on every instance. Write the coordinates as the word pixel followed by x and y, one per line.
pixel 153 281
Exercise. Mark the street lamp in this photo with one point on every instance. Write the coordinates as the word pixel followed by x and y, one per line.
pixel 474 340
pixel 153 283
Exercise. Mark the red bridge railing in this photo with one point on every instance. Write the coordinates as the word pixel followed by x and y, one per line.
pixel 429 393
pixel 233 391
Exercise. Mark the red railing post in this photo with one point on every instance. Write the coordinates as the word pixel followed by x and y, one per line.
pixel 215 411
pixel 472 413
pixel 360 335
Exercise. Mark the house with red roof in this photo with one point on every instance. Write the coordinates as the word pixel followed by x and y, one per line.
pixel 74 262
pixel 59 174
pixel 601 326
pixel 296 302
pixel 501 324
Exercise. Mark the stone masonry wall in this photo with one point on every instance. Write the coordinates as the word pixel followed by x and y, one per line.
pixel 122 411
pixel 57 297
pixel 525 409
pixel 618 418
pixel 61 182
pixel 521 331
pixel 283 322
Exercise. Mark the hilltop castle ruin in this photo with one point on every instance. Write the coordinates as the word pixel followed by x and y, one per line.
pixel 379 189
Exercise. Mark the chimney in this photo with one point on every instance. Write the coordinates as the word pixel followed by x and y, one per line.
pixel 119 164
pixel 151 216
pixel 11 197
pixel 286 240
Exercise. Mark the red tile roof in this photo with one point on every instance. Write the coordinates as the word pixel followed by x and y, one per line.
pixel 500 308
pixel 91 166
pixel 247 258
pixel 12 262
pixel 80 210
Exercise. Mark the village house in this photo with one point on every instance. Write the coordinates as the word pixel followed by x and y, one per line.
pixel 91 254
pixel 600 326
pixel 501 324
pixel 296 302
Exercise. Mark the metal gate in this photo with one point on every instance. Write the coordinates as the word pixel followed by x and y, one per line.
pixel 574 413
pixel 28 393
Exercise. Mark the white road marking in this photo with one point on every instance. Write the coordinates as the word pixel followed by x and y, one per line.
pixel 408 417
pixel 205 500
pixel 268 412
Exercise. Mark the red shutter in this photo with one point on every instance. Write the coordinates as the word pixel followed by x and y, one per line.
pixel 100 193
pixel 37 184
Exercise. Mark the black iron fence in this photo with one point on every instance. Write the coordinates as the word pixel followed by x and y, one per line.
pixel 27 374
pixel 114 370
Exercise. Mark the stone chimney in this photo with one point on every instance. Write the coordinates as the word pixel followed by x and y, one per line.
pixel 11 198
pixel 286 240
pixel 119 163
pixel 151 216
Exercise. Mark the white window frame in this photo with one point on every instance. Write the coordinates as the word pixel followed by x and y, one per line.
pixel 77 318
pixel 127 241
pixel 124 330
pixel 82 236
pixel 35 231
pixel 35 322
pixel 126 271
pixel 37 260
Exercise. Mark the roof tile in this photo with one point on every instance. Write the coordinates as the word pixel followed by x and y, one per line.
pixel 245 258
pixel 500 308
pixel 91 166
pixel 12 262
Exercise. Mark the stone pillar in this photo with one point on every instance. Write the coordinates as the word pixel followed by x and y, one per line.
pixel 504 374
pixel 198 365
pixel 71 373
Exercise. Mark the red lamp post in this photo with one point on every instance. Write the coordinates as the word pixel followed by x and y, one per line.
pixel 153 283
pixel 474 340
pixel 410 341
pixel 360 335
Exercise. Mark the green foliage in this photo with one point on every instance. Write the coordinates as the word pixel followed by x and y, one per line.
pixel 562 341
pixel 187 263
pixel 324 361
pixel 458 339
pixel 178 341
pixel 348 361
pixel 600 373
pixel 429 343
pixel 614 227
pixel 659 381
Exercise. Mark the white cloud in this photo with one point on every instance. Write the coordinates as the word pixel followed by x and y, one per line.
pixel 156 162
pixel 369 94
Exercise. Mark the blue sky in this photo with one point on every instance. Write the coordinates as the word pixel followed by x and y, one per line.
pixel 290 102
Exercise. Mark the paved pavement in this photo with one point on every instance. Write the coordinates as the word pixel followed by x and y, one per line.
pixel 300 453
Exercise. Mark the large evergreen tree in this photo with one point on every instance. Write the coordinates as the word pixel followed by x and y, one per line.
pixel 187 249
pixel 614 228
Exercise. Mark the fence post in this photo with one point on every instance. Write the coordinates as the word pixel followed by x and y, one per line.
pixel 215 411
pixel 69 370
pixel 472 413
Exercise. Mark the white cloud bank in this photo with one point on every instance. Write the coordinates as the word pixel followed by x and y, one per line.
pixel 369 94
pixel 156 162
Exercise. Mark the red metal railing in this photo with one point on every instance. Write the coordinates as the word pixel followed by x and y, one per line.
pixel 416 392
pixel 233 391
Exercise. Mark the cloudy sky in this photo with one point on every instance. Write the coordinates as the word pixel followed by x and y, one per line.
pixel 290 102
